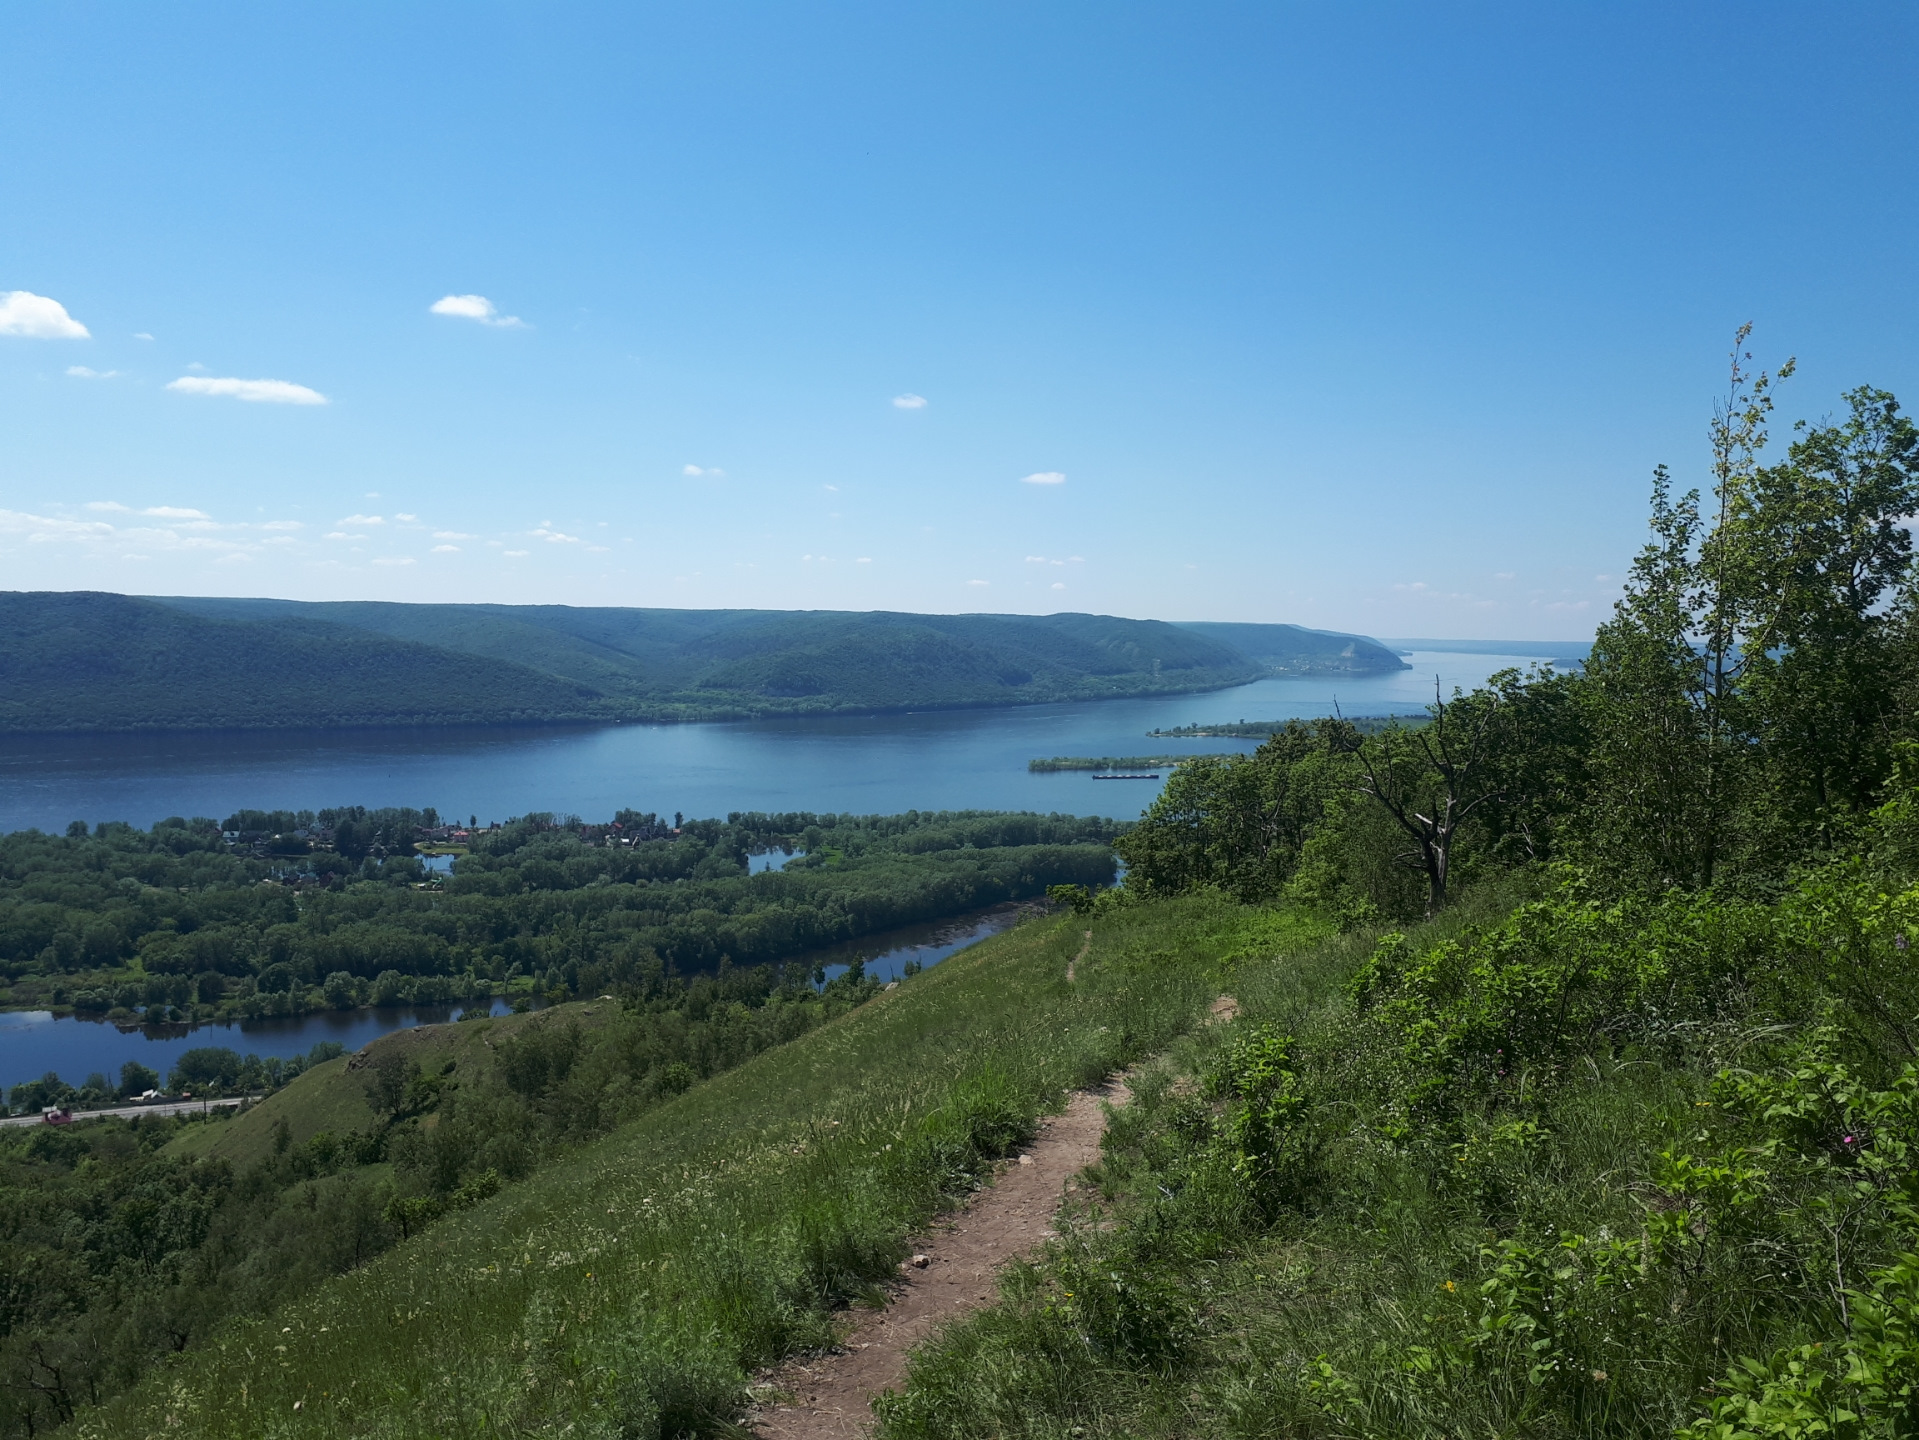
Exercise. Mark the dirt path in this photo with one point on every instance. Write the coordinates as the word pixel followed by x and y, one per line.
pixel 832 1394
pixel 1073 964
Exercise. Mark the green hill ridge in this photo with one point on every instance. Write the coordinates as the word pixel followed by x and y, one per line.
pixel 81 661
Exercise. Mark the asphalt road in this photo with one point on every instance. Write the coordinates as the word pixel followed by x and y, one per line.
pixel 165 1107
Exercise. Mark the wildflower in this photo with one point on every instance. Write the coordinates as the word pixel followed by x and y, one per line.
pixel 1600 1376
pixel 1450 1287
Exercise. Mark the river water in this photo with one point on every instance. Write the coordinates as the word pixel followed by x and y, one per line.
pixel 32 1042
pixel 866 764
pixel 880 764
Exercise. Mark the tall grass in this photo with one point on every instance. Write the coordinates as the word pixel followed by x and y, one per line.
pixel 632 1290
pixel 1537 1263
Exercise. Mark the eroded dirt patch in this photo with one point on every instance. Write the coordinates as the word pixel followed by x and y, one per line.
pixel 833 1393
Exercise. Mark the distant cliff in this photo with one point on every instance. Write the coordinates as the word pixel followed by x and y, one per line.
pixel 1295 650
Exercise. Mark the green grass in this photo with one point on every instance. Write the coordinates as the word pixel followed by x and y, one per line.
pixel 332 1096
pixel 633 1288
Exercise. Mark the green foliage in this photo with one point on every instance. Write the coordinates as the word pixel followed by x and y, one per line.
pixel 175 923
pixel 85 661
pixel 642 1281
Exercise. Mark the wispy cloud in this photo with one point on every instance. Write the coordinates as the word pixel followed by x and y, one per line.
pixel 979 582
pixel 175 512
pixel 712 472
pixel 283 525
pixel 475 307
pixel 82 372
pixel 404 518
pixel 35 317
pixel 909 401
pixel 362 520
pixel 864 560
pixel 259 392
pixel 516 554
pixel 394 560
pixel 141 335
pixel 446 549
pixel 547 533
pixel 453 535
pixel 1043 477
pixel 1059 584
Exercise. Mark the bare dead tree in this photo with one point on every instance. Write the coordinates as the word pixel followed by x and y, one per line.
pixel 1450 759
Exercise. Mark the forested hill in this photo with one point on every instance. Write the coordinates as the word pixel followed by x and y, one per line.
pixel 1295 650
pixel 90 661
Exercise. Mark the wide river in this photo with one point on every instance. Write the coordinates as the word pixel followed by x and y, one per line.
pixel 867 764
pixel 882 764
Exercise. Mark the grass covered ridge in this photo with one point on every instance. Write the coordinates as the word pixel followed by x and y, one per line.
pixel 633 1288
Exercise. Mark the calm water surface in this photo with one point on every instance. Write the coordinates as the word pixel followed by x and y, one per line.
pixel 884 764
pixel 880 764
pixel 32 1042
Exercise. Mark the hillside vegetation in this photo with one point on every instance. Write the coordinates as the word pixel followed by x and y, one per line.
pixel 87 661
pixel 1573 1089
pixel 634 1288
pixel 1295 650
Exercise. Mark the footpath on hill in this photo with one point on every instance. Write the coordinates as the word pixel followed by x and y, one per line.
pixel 954 1271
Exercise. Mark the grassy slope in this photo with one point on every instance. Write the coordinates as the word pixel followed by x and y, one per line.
pixel 643 1278
pixel 333 1096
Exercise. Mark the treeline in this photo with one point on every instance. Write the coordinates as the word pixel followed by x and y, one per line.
pixel 1739 714
pixel 175 924
pixel 117 1250
pixel 1635 1157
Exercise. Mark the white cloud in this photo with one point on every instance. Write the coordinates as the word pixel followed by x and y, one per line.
pixel 864 560
pixel 268 392
pixel 978 582
pixel 446 549
pixel 82 372
pixel 106 505
pixel 362 520
pixel 394 560
pixel 1043 477
pixel 403 518
pixel 141 335
pixel 517 553
pixel 834 488
pixel 1059 584
pixel 554 537
pixel 1505 575
pixel 35 317
pixel 283 525
pixel 342 535
pixel 453 535
pixel 475 307
pixel 909 401
pixel 175 512
pixel 712 471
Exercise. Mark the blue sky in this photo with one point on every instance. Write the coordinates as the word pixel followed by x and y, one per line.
pixel 1368 317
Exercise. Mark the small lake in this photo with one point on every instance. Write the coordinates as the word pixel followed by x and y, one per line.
pixel 865 764
pixel 33 1042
